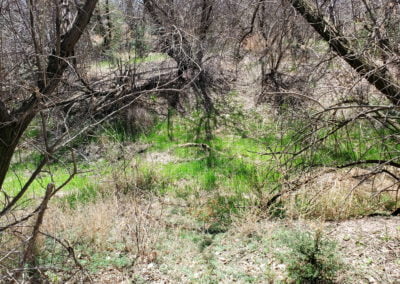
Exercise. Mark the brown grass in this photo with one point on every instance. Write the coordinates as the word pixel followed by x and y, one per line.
pixel 128 220
pixel 341 195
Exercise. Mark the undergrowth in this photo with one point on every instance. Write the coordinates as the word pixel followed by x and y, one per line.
pixel 309 257
pixel 212 186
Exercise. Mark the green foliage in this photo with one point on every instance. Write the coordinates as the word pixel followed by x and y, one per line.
pixel 84 195
pixel 330 145
pixel 223 207
pixel 310 258
pixel 33 131
pixel 98 261
pixel 117 132
pixel 210 180
pixel 56 174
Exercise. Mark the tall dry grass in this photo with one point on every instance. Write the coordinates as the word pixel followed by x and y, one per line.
pixel 342 194
pixel 108 223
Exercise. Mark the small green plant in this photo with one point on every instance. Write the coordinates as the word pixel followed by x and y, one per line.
pixel 309 257
pixel 210 180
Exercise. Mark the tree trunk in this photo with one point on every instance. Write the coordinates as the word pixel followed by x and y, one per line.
pixel 6 153
pixel 108 32
pixel 376 75
pixel 205 24
pixel 10 135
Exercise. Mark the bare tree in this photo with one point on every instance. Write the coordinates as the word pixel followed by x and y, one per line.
pixel 361 34
pixel 19 105
pixel 186 39
pixel 377 75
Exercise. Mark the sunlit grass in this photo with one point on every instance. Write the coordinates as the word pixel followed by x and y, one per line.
pixel 234 164
pixel 15 180
pixel 109 64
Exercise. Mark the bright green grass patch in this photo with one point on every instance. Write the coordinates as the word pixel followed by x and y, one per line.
pixel 16 180
pixel 237 175
pixel 231 164
pixel 353 143
pixel 182 132
pixel 82 188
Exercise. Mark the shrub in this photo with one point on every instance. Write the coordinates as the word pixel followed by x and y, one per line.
pixel 310 258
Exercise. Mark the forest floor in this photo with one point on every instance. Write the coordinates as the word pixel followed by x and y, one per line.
pixel 158 211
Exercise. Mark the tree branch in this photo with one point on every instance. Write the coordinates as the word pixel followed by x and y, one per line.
pixel 376 75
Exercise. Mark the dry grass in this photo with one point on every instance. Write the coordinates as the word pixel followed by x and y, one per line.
pixel 109 222
pixel 340 195
pixel 167 239
pixel 126 227
pixel 167 245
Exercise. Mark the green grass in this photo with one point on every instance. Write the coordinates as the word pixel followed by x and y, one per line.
pixel 216 187
pixel 234 166
pixel 152 57
pixel 231 165
pixel 238 167
pixel 93 261
pixel 14 181
pixel 356 142
pixel 82 188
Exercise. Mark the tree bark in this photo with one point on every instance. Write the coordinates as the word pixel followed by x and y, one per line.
pixel 376 75
pixel 108 30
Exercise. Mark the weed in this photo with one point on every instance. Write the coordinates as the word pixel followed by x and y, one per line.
pixel 210 180
pixel 84 195
pixel 138 178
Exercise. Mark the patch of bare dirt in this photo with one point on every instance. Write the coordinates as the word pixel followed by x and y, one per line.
pixel 371 246
pixel 159 157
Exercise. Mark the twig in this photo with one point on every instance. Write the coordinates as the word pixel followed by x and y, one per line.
pixel 380 162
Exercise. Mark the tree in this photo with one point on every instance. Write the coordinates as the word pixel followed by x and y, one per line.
pixel 377 75
pixel 363 36
pixel 185 39
pixel 19 106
